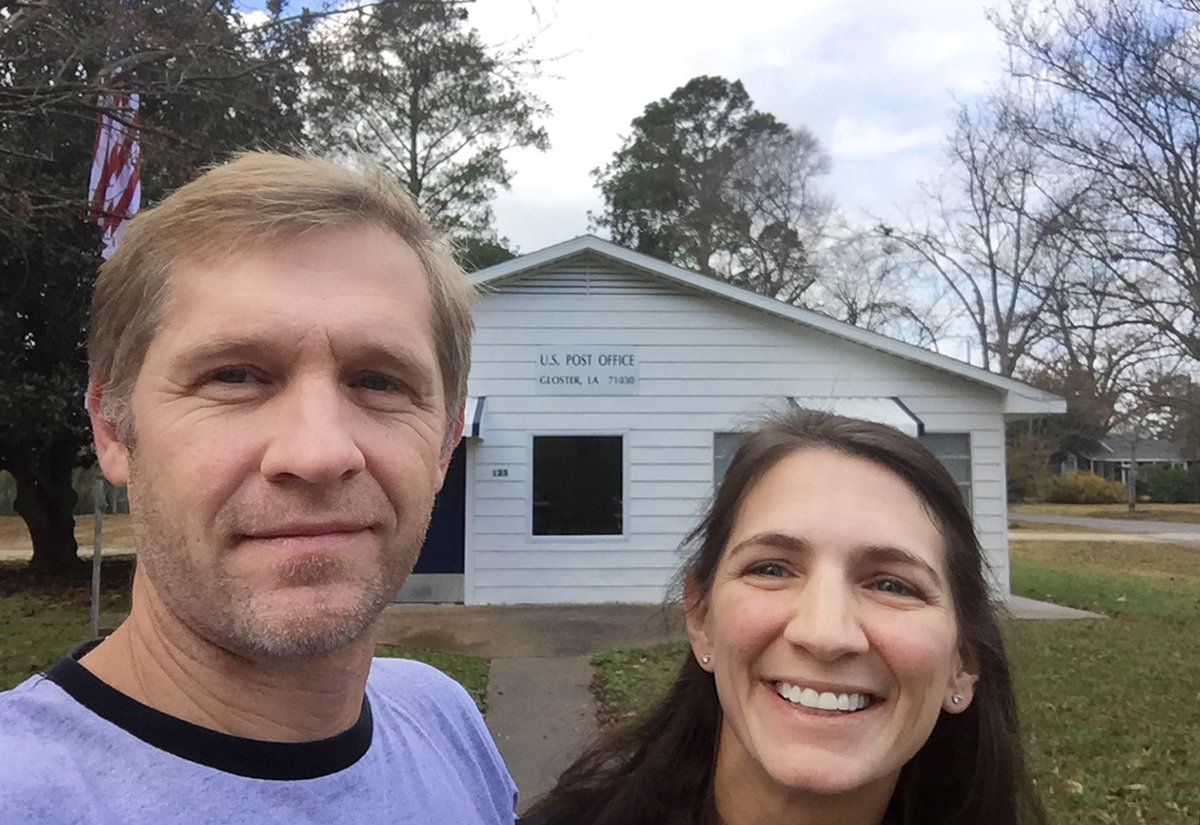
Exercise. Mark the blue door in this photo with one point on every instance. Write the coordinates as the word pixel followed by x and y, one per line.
pixel 443 550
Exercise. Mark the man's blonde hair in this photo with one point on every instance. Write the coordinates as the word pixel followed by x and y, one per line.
pixel 257 199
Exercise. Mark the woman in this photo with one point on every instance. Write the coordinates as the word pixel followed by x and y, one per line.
pixel 846 667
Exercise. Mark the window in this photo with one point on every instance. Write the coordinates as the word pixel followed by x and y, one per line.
pixel 724 446
pixel 578 485
pixel 954 451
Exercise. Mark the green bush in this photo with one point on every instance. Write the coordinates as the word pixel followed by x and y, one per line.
pixel 8 493
pixel 116 500
pixel 1172 485
pixel 1080 487
pixel 1028 465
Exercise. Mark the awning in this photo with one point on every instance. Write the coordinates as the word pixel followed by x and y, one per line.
pixel 881 410
pixel 473 416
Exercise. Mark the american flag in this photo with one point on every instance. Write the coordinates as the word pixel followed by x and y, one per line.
pixel 115 182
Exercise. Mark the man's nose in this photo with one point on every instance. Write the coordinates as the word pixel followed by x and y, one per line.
pixel 826 619
pixel 312 435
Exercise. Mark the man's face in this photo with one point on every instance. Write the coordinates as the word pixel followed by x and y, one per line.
pixel 291 435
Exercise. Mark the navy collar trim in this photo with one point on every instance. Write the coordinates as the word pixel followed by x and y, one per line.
pixel 253 758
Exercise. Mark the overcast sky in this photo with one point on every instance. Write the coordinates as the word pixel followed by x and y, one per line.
pixel 875 80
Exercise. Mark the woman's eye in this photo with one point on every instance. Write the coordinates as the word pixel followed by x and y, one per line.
pixel 894 587
pixel 769 569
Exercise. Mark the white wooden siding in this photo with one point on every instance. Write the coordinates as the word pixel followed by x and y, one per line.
pixel 705 365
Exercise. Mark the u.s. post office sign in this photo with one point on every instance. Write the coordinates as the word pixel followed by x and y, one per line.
pixel 587 371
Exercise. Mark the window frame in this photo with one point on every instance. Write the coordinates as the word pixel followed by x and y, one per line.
pixel 966 488
pixel 601 538
pixel 740 436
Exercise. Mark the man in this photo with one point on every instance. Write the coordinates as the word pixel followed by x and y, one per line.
pixel 278 361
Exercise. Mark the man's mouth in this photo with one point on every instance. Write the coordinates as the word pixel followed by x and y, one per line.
pixel 306 530
pixel 825 700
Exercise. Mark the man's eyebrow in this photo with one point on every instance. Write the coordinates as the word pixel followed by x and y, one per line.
pixel 364 351
pixel 393 356
pixel 213 350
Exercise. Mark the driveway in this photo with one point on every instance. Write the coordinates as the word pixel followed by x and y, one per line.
pixel 1165 531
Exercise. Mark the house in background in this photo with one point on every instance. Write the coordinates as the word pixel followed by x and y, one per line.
pixel 1115 455
pixel 608 391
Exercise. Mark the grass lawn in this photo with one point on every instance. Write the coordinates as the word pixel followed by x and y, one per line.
pixel 1178 513
pixel 41 620
pixel 1110 708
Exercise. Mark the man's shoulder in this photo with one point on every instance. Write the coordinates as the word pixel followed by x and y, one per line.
pixel 425 719
pixel 32 707
pixel 40 735
pixel 415 683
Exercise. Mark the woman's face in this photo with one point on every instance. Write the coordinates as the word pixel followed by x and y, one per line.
pixel 829 629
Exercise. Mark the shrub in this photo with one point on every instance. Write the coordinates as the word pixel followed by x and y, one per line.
pixel 1080 487
pixel 1028 465
pixel 1172 485
pixel 8 493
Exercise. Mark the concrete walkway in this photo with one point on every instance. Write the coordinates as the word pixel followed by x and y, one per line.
pixel 1161 531
pixel 541 713
pixel 540 707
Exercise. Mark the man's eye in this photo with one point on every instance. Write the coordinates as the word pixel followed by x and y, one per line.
pixel 233 375
pixel 377 383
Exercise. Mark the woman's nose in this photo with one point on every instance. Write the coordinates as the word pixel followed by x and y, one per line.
pixel 826 618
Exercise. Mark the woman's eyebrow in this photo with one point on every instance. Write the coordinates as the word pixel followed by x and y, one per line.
pixel 876 553
pixel 780 541
pixel 888 554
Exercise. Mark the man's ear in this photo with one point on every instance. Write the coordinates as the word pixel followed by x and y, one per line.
pixel 962 683
pixel 452 439
pixel 112 454
pixel 695 608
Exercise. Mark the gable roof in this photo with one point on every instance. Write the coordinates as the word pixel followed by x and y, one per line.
pixel 1122 448
pixel 1019 398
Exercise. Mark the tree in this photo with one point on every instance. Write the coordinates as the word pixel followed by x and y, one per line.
pixel 474 254
pixel 1120 87
pixel 410 85
pixel 43 429
pixel 1092 355
pixel 709 182
pixel 993 235
pixel 778 213
pixel 866 281
pixel 209 85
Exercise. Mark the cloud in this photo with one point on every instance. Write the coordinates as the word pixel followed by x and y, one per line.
pixel 875 80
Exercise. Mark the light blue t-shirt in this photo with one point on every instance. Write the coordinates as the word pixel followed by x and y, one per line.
pixel 74 750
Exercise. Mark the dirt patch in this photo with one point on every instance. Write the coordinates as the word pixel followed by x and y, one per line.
pixel 116 536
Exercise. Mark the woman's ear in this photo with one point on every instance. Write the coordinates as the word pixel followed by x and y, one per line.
pixel 961 688
pixel 695 607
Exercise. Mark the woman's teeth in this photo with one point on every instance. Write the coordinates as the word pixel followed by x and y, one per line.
pixel 809 698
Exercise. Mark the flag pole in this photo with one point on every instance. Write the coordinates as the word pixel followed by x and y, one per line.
pixel 98 504
pixel 114 195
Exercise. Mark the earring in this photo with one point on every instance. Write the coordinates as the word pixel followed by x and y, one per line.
pixel 705 659
pixel 956 698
